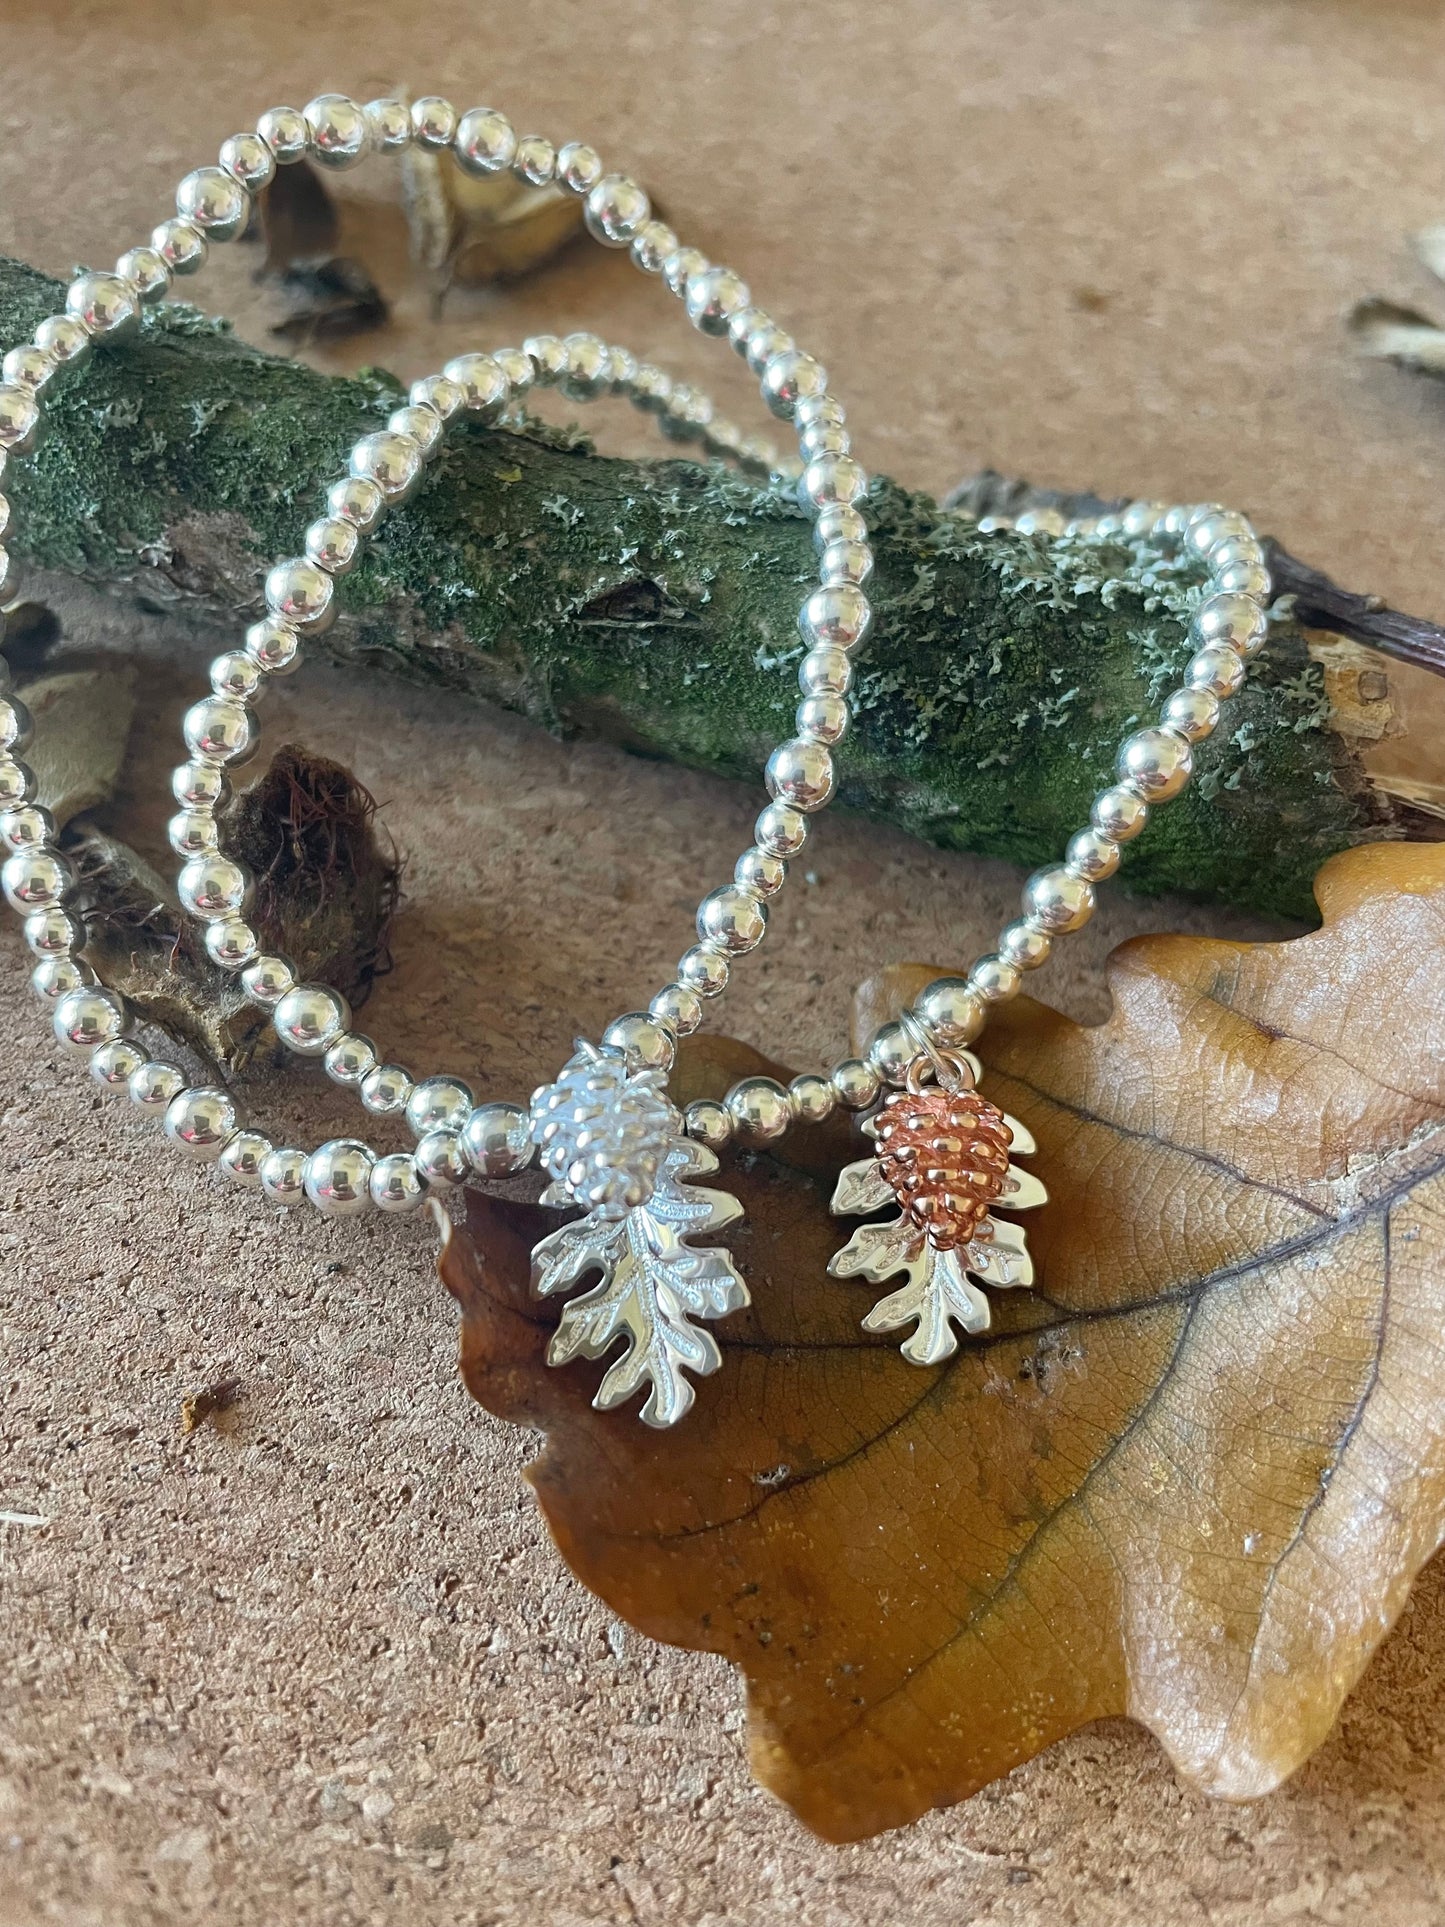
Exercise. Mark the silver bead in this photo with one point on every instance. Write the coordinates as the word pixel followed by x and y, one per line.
pixel 300 593
pixel 764 343
pixel 16 727
pixel 104 305
pixel 839 522
pixel 548 356
pixel 17 782
pixel 826 670
pixel 35 879
pixel 285 132
pixel 395 1183
pixel 310 1017
pixel 1119 813
pixel 19 418
pixel 199 1122
pixel 652 244
pixel 213 886
pixel 801 773
pixel 87 1017
pixel 438 1104
pixel 517 369
pixel 1235 620
pixel 616 208
pixel 994 979
pixel 242 1158
pixel 388 121
pixel 579 167
pixel 483 386
pixel 681 265
pixel 1092 855
pixel 1025 945
pixel 830 479
pixel 193 833
pixel 200 786
pixel 249 159
pixel 704 969
pixel 392 461
pixel 28 367
pixel 386 1089
pixel 951 1010
pixel 1217 669
pixel 781 830
pixel 148 272
pixel 26 828
pixel 239 676
pixel 840 614
pixel 856 1083
pixel 214 201
pixel 497 1140
pixel 645 1044
pixel 708 1122
pixel 792 377
pixel 1155 762
pixel 823 719
pixel 622 369
pixel 338 1178
pixel 535 160
pixel 760 872
pixel 589 369
pixel 820 410
pixel 688 413
pixel 441 394
pixel 283 1175
pixel 181 245
pixel 154 1085
pixel 350 1059
pixel 891 1051
pixel 759 1109
pixel 113 1065
pixel 440 1160
pixel 822 438
pixel 677 1007
pixel 1057 901
pixel 1236 548
pixel 1209 524
pixel 713 297
pixel 845 562
pixel 812 1099
pixel 1193 713
pixel 273 644
pixel 63 338
pixel 733 919
pixel 339 134
pixel 333 544
pixel 1242 578
pixel 486 141
pixel 53 933
pixel 359 500
pixel 231 943
pixel 433 121
pixel 56 977
pixel 267 980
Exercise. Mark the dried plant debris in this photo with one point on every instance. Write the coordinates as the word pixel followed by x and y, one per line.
pixel 1387 331
pixel 329 301
pixel 1190 1478
pixel 467 232
pixel 209 1402
pixel 299 220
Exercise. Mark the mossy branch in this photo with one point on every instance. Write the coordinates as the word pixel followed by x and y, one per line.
pixel 654 603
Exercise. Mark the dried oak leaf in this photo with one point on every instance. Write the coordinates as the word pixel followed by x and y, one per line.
pixel 1189 1480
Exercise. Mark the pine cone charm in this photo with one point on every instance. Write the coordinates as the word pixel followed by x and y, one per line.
pixel 946 1156
pixel 943 1158
pixel 603 1132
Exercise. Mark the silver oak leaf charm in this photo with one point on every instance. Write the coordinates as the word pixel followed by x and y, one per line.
pixel 653 1285
pixel 938 1296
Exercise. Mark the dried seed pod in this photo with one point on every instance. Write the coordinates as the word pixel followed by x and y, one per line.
pixel 946 1156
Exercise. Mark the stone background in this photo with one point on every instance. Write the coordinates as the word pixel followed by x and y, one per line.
pixel 318 1664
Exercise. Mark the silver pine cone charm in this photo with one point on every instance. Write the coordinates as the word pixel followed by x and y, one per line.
pixel 944 1157
pixel 641 1210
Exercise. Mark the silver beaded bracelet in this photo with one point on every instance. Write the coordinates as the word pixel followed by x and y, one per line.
pixel 609 1138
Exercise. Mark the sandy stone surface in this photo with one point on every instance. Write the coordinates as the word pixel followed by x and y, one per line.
pixel 318 1663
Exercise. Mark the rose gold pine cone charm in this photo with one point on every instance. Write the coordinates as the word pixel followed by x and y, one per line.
pixel 946 1156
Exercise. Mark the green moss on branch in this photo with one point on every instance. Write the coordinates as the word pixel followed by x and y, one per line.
pixel 654 603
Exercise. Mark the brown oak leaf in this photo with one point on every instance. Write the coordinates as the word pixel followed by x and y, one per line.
pixel 1189 1479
